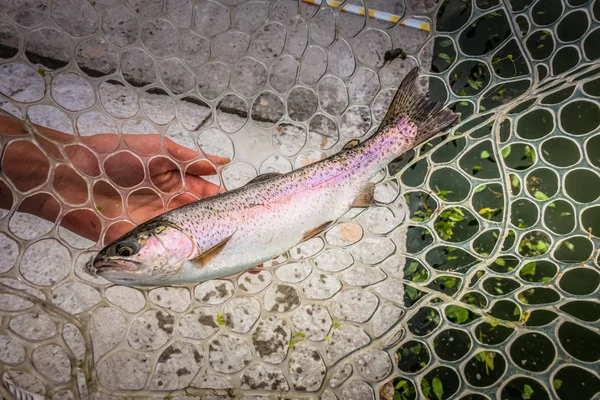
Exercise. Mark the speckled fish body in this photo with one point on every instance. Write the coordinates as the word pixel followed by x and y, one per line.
pixel 268 216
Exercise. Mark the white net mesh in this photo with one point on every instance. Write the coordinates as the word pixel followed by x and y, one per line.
pixel 475 276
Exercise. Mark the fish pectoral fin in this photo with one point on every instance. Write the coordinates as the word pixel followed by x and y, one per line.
pixel 311 233
pixel 203 259
pixel 351 144
pixel 365 196
pixel 263 177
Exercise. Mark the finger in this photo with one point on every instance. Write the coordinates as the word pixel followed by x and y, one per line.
pixel 48 146
pixel 12 126
pixel 144 204
pixel 181 200
pixel 53 134
pixel 218 160
pixel 201 168
pixel 201 187
pixel 181 153
pixel 160 165
pixel 165 174
pixel 83 159
pixel 103 142
pixel 143 143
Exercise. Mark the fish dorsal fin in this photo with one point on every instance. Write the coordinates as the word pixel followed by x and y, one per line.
pixel 351 144
pixel 365 196
pixel 264 177
pixel 311 233
pixel 203 259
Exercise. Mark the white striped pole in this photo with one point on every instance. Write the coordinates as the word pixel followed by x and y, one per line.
pixel 380 15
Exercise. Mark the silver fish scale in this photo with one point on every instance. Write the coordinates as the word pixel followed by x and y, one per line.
pixel 475 276
pixel 266 218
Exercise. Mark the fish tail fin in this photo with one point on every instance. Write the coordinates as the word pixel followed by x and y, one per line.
pixel 429 116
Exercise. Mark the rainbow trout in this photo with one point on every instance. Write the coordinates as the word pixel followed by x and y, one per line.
pixel 237 230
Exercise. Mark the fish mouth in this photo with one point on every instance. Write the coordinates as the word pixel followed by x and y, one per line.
pixel 115 266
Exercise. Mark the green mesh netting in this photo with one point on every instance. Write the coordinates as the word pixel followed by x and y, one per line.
pixel 474 277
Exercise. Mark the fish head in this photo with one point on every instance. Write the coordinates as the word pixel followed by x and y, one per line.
pixel 148 255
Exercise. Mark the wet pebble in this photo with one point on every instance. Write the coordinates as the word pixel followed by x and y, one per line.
pixel 174 299
pixel 313 321
pixel 228 354
pixel 263 377
pixel 214 291
pixel 198 324
pixel 151 330
pixel 240 314
pixel 281 298
pixel 345 340
pixel 176 367
pixel 306 367
pixel 271 340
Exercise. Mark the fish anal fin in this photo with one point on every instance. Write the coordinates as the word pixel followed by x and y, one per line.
pixel 203 259
pixel 311 233
pixel 351 144
pixel 263 177
pixel 365 196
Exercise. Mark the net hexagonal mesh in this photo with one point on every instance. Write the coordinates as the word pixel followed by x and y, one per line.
pixel 474 276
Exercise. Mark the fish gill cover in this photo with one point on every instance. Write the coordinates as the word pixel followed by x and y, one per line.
pixel 475 276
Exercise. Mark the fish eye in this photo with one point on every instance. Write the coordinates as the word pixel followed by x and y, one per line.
pixel 125 250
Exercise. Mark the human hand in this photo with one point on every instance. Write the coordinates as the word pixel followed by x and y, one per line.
pixel 168 174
